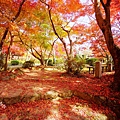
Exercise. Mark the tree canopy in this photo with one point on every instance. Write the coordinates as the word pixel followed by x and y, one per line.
pixel 35 25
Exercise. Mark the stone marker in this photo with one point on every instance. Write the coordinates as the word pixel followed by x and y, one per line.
pixel 109 67
pixel 98 69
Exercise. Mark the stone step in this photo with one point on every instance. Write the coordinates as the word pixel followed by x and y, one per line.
pixel 51 95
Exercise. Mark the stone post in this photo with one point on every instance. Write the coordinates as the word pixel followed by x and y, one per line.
pixel 98 69
pixel 109 67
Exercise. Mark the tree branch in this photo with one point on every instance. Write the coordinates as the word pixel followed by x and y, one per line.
pixel 19 11
pixel 102 3
pixel 13 19
pixel 3 38
pixel 98 15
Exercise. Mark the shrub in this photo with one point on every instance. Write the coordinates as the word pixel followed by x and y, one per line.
pixel 28 64
pixel 91 61
pixel 60 64
pixel 75 65
pixel 14 62
pixel 50 62
pixel 59 61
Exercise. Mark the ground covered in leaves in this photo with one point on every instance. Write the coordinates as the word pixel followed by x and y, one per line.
pixel 53 95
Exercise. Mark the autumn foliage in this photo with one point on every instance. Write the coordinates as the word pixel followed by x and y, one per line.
pixel 59 30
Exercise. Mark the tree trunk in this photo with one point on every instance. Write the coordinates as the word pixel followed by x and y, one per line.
pixel 116 83
pixel 115 53
pixel 3 38
pixel 40 58
pixel 105 26
pixel 42 61
pixel 7 29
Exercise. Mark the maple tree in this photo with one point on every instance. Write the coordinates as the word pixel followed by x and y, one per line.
pixel 105 26
pixel 35 27
pixel 62 29
pixel 36 34
pixel 96 38
pixel 60 15
pixel 38 47
pixel 13 16
pixel 8 17
pixel 98 45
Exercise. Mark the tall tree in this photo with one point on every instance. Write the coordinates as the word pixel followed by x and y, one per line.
pixel 36 34
pixel 10 15
pixel 103 20
pixel 68 14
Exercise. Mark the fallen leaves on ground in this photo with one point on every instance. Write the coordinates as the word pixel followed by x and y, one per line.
pixel 44 81
pixel 64 109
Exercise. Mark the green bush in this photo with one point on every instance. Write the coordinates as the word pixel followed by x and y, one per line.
pixel 50 62
pixel 28 64
pixel 91 61
pixel 14 62
pixel 75 65
pixel 59 61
